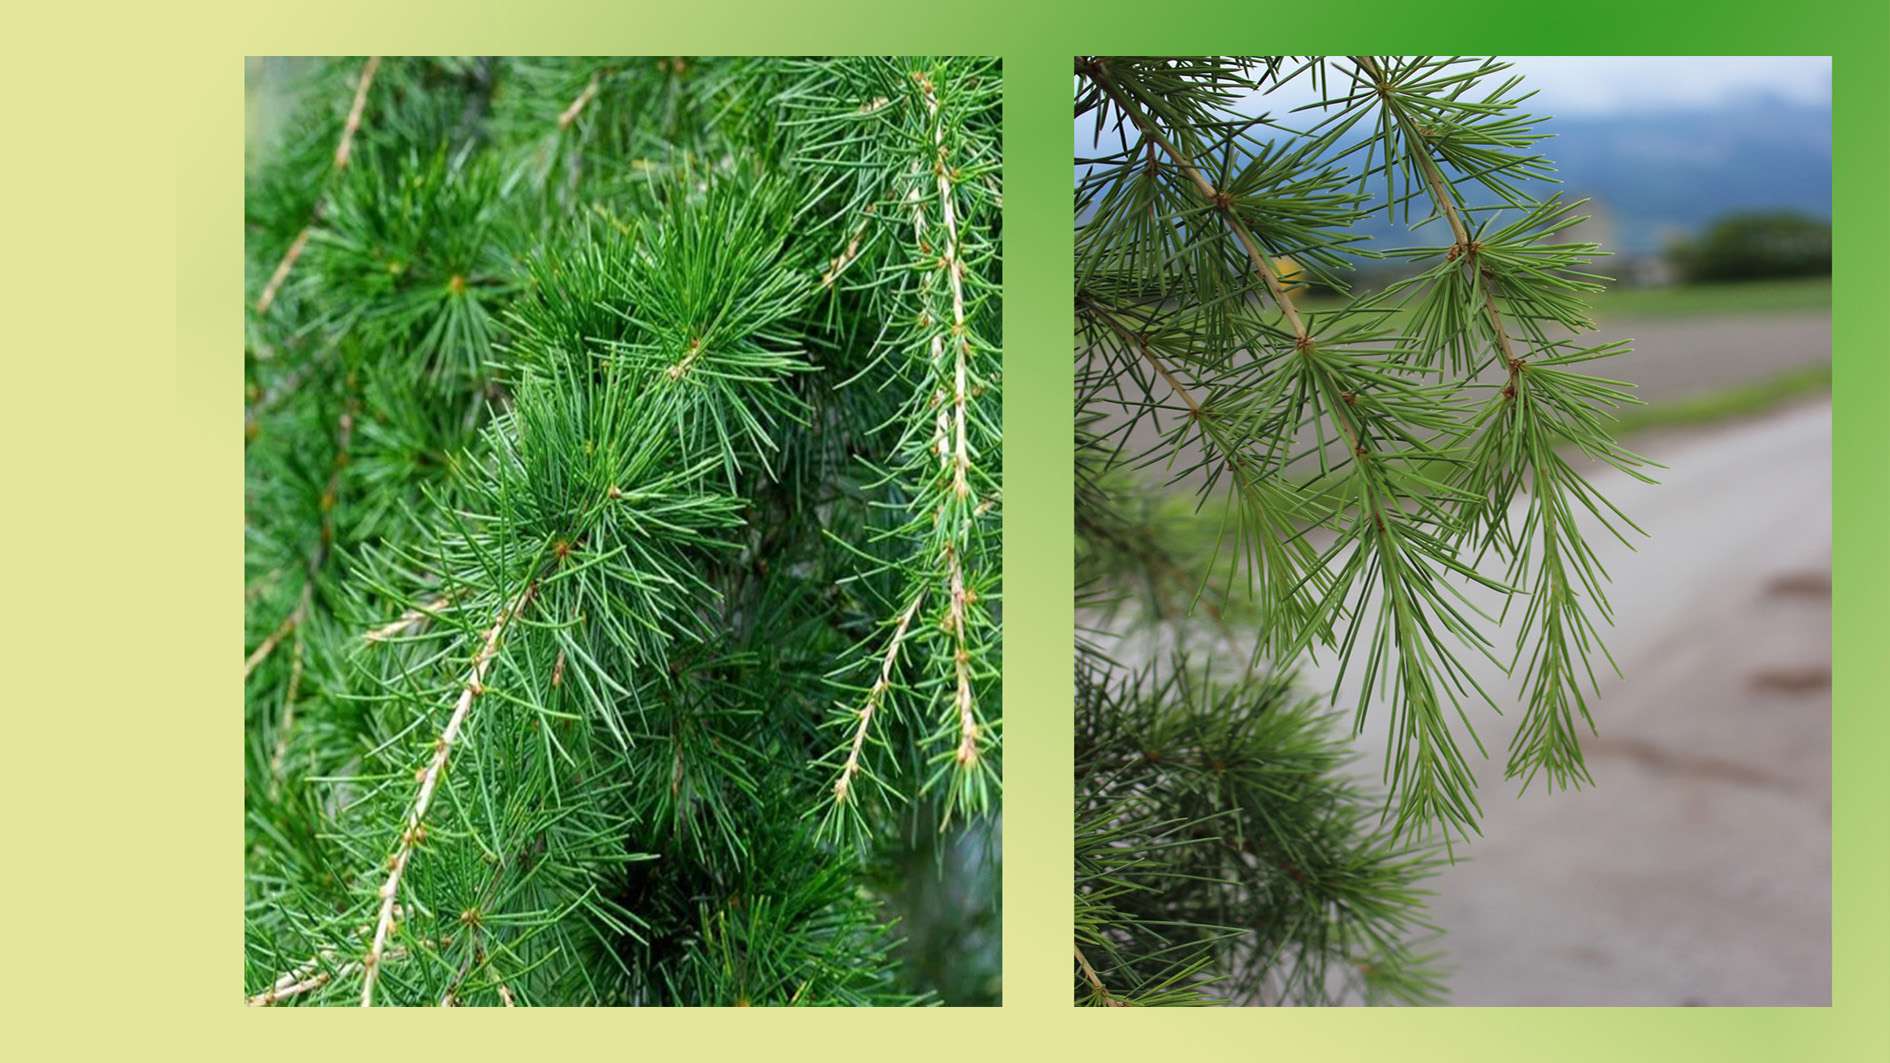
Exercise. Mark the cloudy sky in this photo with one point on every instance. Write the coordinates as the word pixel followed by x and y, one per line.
pixel 1600 85
pixel 1604 85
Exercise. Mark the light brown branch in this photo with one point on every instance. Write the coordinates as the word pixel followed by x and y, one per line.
pixel 407 619
pixel 1136 341
pixel 953 263
pixel 570 114
pixel 286 724
pixel 430 776
pixel 844 259
pixel 694 351
pixel 344 149
pixel 844 784
pixel 268 645
pixel 1089 975
pixel 343 152
pixel 309 977
pixel 319 555
pixel 282 270
pixel 967 719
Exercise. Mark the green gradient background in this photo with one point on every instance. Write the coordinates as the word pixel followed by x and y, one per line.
pixel 157 524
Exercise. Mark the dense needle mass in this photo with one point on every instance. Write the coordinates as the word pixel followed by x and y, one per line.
pixel 591 458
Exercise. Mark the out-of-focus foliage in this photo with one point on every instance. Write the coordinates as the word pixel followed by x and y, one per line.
pixel 1756 246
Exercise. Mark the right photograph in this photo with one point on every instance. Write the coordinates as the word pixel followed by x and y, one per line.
pixel 1453 530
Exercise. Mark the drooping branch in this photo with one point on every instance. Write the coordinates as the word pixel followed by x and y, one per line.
pixel 318 555
pixel 268 645
pixel 1181 391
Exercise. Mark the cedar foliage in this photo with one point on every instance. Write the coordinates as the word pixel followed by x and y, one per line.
pixel 1383 484
pixel 622 558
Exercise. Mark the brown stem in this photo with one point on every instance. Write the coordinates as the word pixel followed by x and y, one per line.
pixel 309 977
pixel 286 725
pixel 268 645
pixel 407 619
pixel 844 259
pixel 1136 341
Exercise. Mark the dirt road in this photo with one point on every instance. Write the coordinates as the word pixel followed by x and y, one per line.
pixel 1697 869
pixel 1681 357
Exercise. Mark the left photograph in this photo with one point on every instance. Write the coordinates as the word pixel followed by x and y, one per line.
pixel 622 528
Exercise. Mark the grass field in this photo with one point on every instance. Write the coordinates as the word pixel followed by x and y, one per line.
pixel 1742 401
pixel 1750 297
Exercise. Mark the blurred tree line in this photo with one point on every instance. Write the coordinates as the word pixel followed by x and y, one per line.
pixel 1756 245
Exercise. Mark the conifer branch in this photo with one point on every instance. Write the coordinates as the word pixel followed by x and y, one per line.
pixel 415 830
pixel 1140 344
pixel 305 979
pixel 1221 204
pixel 318 555
pixel 967 752
pixel 955 274
pixel 676 432
pixel 310 976
pixel 844 259
pixel 1465 249
pixel 285 724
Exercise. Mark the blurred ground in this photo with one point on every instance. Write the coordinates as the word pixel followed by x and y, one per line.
pixel 1697 869
pixel 1681 358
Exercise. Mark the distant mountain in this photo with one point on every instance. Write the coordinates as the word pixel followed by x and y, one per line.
pixel 1661 173
pixel 1658 174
